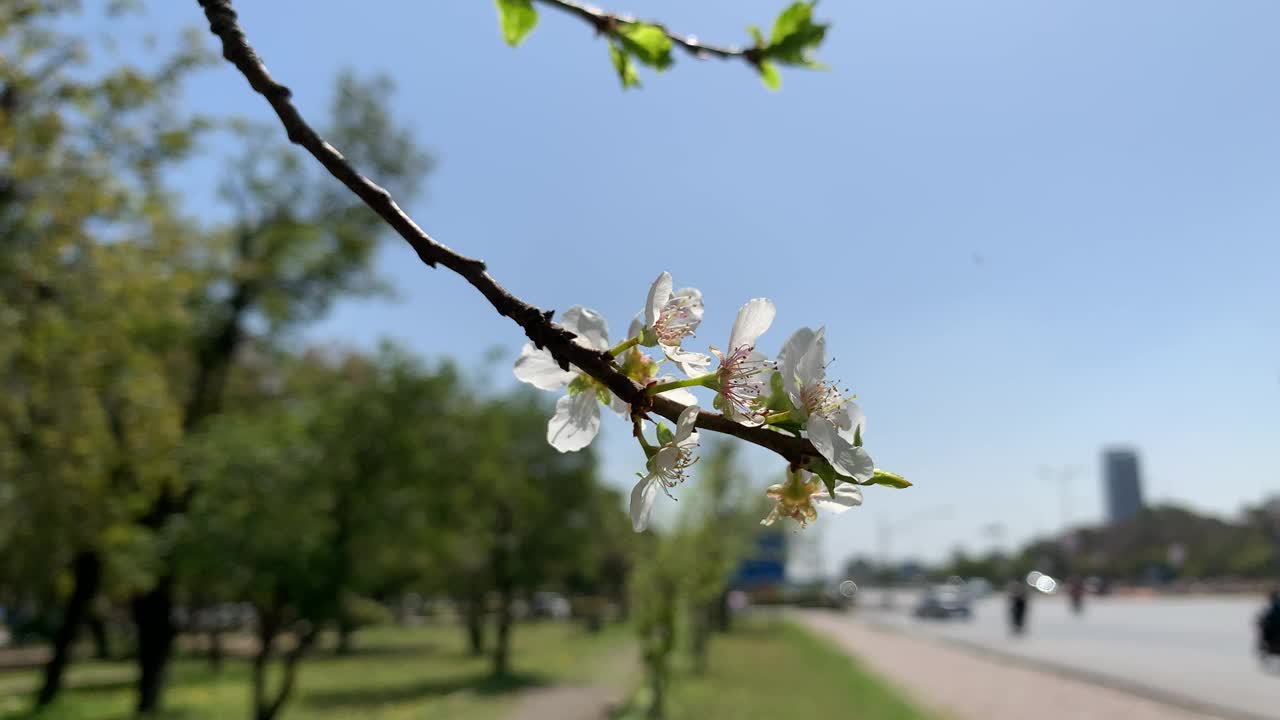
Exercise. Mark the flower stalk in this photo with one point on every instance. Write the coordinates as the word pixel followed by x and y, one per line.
pixel 700 381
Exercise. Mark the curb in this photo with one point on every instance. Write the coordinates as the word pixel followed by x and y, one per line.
pixel 1164 697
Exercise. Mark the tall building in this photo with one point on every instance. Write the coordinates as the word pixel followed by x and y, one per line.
pixel 1123 484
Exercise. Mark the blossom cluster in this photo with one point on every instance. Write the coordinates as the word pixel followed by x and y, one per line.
pixel 788 394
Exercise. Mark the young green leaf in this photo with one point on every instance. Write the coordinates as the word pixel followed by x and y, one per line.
pixel 829 476
pixel 795 35
pixel 517 18
pixel 622 64
pixel 888 479
pixel 648 43
pixel 665 436
pixel 769 75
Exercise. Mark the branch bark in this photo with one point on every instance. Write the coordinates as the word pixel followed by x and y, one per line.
pixel 605 23
pixel 535 322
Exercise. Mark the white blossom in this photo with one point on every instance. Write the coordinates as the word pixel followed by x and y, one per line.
pixel 666 468
pixel 831 418
pixel 672 317
pixel 577 417
pixel 742 376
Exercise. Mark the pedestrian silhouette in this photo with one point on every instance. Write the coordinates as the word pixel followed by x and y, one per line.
pixel 1269 631
pixel 1017 607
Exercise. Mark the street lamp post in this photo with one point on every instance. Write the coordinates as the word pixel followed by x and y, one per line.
pixel 885 531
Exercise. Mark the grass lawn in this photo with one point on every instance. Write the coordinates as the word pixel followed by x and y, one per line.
pixel 395 673
pixel 770 668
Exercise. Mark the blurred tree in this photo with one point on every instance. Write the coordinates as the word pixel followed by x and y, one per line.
pixel 298 242
pixel 264 527
pixel 527 509
pixel 389 517
pixel 720 521
pixel 92 294
pixel 679 591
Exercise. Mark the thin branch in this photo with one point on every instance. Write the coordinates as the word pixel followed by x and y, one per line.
pixel 535 322
pixel 606 23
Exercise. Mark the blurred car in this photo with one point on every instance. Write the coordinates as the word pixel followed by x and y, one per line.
pixel 550 605
pixel 943 602
pixel 978 588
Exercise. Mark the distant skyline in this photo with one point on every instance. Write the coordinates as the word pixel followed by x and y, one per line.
pixel 1032 228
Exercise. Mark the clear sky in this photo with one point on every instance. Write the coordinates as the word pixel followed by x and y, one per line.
pixel 1031 227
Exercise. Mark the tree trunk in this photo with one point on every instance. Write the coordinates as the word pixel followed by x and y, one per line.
pixel 216 652
pixel 505 585
pixel 101 640
pixel 474 610
pixel 87 574
pixel 264 709
pixel 346 630
pixel 267 630
pixel 701 640
pixel 724 614
pixel 153 617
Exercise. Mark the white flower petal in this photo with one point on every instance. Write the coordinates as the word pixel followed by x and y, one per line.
pixel 771 518
pixel 686 422
pixel 848 419
pixel 659 294
pixel 753 319
pixel 540 370
pixel 576 422
pixel 642 497
pixel 637 325
pixel 619 405
pixel 680 395
pixel 812 366
pixel 850 461
pixel 792 351
pixel 690 363
pixel 847 497
pixel 588 325
pixel 694 303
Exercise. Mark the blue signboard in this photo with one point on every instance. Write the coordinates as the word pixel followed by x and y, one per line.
pixel 765 565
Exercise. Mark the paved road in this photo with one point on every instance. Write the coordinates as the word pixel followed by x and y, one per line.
pixel 1198 648
pixel 960 684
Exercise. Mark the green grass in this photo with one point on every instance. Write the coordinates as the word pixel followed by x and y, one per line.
pixel 395 673
pixel 774 669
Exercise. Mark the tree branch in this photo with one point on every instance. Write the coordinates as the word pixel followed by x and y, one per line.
pixel 535 322
pixel 605 23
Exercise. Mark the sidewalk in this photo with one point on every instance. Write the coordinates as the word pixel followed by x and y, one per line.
pixel 960 685
pixel 583 702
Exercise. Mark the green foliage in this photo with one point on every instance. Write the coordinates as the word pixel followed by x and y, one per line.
pixel 888 479
pixel 621 59
pixel 679 578
pixel 647 43
pixel 774 669
pixel 794 38
pixel 795 35
pixel 92 299
pixel 401 673
pixel 770 76
pixel 517 18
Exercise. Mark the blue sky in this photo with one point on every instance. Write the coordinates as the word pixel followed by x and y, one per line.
pixel 1031 227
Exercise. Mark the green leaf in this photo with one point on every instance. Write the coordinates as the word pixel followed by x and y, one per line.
pixel 828 474
pixel 769 75
pixel 793 19
pixel 622 64
pixel 664 434
pixel 888 479
pixel 517 18
pixel 648 43
pixel 857 436
pixel 795 35
pixel 756 35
